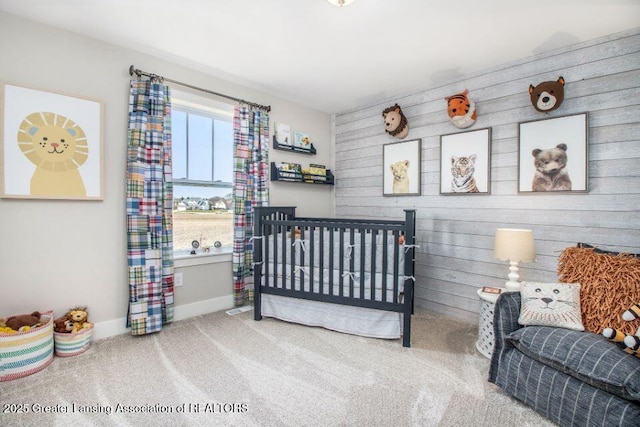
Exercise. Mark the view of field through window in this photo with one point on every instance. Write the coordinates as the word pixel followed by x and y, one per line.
pixel 203 175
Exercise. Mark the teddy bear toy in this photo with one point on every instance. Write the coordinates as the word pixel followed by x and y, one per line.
pixel 629 343
pixel 63 325
pixel 547 96
pixel 23 322
pixel 79 317
pixel 395 123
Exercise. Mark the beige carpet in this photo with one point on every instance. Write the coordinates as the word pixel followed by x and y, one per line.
pixel 232 371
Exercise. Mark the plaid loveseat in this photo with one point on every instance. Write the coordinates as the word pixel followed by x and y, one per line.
pixel 572 378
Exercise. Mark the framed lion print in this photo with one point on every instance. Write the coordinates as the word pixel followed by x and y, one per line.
pixel 465 163
pixel 51 145
pixel 401 162
pixel 552 155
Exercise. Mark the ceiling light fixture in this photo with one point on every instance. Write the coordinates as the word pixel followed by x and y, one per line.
pixel 341 3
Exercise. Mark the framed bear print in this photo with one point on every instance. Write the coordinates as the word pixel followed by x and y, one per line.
pixel 552 155
pixel 465 163
pixel 401 163
pixel 50 145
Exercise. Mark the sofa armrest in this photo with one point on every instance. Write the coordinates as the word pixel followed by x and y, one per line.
pixel 505 321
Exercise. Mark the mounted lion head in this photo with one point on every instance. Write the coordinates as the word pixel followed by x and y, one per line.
pixel 395 123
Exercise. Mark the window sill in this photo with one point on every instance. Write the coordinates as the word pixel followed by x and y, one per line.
pixel 184 259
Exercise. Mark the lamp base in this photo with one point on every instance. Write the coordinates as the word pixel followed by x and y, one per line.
pixel 513 285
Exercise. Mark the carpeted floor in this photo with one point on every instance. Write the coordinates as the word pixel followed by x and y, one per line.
pixel 226 370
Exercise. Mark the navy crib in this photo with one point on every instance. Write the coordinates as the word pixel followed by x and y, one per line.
pixel 353 262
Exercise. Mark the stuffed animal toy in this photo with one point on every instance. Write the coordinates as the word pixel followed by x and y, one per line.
pixel 547 96
pixel 4 329
pixel 63 325
pixel 79 317
pixel 395 123
pixel 551 169
pixel 629 343
pixel 23 322
pixel 461 110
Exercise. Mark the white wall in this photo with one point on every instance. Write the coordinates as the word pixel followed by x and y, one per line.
pixel 455 233
pixel 58 254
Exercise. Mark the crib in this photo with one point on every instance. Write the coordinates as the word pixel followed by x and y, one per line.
pixel 334 272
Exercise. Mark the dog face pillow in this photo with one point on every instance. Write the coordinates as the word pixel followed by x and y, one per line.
pixel 461 110
pixel 551 169
pixel 547 96
pixel 395 123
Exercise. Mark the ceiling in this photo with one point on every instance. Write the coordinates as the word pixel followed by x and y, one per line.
pixel 335 59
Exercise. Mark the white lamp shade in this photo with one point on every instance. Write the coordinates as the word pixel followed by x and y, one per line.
pixel 514 245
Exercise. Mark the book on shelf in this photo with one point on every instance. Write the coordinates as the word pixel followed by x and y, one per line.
pixel 289 170
pixel 301 140
pixel 282 134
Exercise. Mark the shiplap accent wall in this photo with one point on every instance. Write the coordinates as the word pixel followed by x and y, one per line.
pixel 456 233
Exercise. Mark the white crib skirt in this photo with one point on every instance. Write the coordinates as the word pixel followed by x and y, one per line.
pixel 361 321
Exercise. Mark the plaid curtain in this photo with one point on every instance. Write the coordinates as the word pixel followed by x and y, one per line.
pixel 250 189
pixel 149 207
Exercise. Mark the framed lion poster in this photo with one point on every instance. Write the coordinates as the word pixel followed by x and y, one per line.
pixel 51 145
pixel 401 162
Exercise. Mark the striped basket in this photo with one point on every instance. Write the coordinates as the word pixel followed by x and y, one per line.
pixel 25 353
pixel 68 344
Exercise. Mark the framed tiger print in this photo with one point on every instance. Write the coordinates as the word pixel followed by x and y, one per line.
pixel 465 163
pixel 552 155
pixel 50 145
pixel 401 162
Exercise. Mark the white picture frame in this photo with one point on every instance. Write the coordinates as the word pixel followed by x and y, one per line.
pixel 74 166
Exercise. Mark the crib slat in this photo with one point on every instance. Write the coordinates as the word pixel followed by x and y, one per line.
pixel 352 261
pixel 372 267
pixel 362 264
pixel 396 262
pixel 331 261
pixel 341 263
pixel 385 264
pixel 321 258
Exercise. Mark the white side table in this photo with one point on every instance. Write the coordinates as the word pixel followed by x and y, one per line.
pixel 485 326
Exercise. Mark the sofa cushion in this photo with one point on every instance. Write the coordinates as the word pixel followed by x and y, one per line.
pixel 586 356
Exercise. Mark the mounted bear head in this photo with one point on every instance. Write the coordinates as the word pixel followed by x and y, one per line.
pixel 395 123
pixel 547 96
pixel 461 110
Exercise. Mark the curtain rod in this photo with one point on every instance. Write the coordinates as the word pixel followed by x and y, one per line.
pixel 139 73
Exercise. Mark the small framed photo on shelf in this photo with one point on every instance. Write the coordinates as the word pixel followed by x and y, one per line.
pixel 490 290
pixel 301 140
pixel 465 162
pixel 281 134
pixel 552 155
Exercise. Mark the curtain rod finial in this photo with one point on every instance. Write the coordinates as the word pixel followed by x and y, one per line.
pixel 131 70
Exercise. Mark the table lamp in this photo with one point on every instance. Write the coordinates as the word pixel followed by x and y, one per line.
pixel 514 245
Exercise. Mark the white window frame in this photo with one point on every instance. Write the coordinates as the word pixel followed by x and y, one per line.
pixel 193 104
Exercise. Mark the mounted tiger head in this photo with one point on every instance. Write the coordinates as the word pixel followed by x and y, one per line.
pixel 461 110
pixel 395 123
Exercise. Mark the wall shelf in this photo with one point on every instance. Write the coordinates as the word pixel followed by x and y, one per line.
pixel 293 176
pixel 291 148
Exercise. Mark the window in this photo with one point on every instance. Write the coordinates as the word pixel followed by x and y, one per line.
pixel 202 138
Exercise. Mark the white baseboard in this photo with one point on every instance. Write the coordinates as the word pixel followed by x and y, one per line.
pixel 115 327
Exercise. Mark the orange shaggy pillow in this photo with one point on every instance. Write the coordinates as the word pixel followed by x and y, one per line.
pixel 609 286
